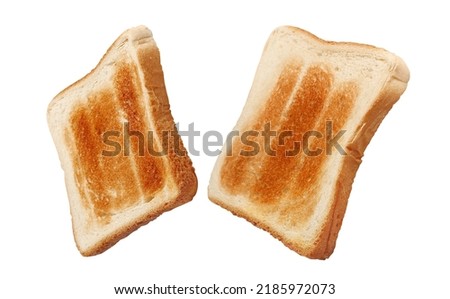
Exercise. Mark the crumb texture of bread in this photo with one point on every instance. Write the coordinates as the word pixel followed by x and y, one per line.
pixel 312 110
pixel 123 160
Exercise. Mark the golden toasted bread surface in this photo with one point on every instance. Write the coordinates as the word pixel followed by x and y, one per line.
pixel 300 103
pixel 109 184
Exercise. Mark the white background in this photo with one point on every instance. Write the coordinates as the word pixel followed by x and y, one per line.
pixel 394 241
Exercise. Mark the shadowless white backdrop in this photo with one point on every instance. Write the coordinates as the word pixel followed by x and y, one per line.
pixel 394 241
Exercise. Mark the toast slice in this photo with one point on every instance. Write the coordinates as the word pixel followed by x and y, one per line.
pixel 313 107
pixel 123 160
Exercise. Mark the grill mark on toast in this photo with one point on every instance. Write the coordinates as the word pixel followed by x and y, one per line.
pixel 109 181
pixel 237 169
pixel 300 203
pixel 301 117
pixel 149 168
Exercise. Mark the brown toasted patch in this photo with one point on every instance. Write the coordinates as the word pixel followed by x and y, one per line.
pixel 284 179
pixel 237 167
pixel 302 202
pixel 79 116
pixel 337 112
pixel 149 168
pixel 276 171
pixel 107 182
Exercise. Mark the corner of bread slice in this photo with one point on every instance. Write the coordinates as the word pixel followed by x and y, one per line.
pixel 123 160
pixel 321 102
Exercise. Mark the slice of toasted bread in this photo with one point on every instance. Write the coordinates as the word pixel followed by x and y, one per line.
pixel 323 101
pixel 123 160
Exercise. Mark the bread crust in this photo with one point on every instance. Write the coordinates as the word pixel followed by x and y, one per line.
pixel 106 243
pixel 400 73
